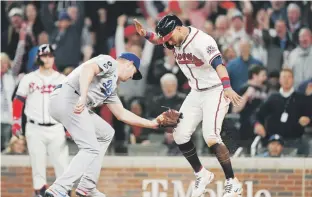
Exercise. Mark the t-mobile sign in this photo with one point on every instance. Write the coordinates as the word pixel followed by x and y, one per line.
pixel 159 188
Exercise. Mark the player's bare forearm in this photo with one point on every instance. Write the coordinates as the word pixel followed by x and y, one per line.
pixel 88 72
pixel 130 118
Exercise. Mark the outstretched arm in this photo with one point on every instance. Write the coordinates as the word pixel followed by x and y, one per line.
pixel 130 118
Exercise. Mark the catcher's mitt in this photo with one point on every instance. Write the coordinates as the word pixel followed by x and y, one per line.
pixel 169 118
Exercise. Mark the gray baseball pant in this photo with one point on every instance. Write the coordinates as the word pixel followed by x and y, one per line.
pixel 91 134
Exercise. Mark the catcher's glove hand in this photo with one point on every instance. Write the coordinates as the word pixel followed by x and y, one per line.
pixel 169 118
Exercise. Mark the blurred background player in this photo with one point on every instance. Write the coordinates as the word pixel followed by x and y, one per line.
pixel 43 134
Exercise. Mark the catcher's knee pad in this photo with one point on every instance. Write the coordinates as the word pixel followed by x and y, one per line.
pixel 212 139
pixel 181 137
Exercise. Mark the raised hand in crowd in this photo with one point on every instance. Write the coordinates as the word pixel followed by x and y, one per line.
pixel 102 15
pixel 121 21
pixel 260 130
pixel 304 121
pixel 308 90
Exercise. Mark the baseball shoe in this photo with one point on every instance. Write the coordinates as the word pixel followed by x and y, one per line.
pixel 93 193
pixel 232 188
pixel 51 192
pixel 203 178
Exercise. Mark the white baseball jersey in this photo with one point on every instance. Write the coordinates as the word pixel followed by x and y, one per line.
pixel 194 57
pixel 37 88
pixel 103 87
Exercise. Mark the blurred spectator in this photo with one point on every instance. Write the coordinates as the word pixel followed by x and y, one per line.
pixel 237 31
pixel 137 135
pixel 273 85
pixel 34 25
pixel 101 35
pixel 275 147
pixel 86 40
pixel 253 94
pixel 129 33
pixel 301 57
pixel 306 87
pixel 16 32
pixel 66 37
pixel 238 67
pixel 197 13
pixel 170 97
pixel 286 113
pixel 222 27
pixel 10 37
pixel 228 54
pixel 209 28
pixel 8 84
pixel 294 22
pixel 278 12
pixel 279 45
pixel 17 146
pixel 154 8
pixel 259 50
pixel 167 65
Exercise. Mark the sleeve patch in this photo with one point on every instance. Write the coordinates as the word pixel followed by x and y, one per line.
pixel 211 50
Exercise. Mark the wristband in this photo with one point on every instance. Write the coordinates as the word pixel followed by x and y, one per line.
pixel 226 82
pixel 149 35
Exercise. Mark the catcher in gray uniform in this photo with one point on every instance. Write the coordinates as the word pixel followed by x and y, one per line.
pixel 92 84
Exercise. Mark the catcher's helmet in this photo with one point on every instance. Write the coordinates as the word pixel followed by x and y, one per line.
pixel 43 50
pixel 165 27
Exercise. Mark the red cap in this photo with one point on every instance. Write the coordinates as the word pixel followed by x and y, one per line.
pixel 174 6
pixel 130 30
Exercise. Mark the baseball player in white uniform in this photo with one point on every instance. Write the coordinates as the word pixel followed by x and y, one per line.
pixel 200 60
pixel 92 84
pixel 44 135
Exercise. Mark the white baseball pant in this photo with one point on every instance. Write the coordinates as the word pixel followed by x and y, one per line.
pixel 43 140
pixel 91 134
pixel 208 106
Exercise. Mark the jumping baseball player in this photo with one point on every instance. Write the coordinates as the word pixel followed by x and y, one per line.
pixel 200 60
pixel 43 134
pixel 92 84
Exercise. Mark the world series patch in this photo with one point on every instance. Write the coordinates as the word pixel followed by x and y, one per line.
pixel 211 49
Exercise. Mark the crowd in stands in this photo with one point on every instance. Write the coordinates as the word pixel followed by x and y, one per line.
pixel 266 47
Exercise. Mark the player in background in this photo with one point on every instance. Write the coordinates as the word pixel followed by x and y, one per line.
pixel 44 135
pixel 92 84
pixel 200 60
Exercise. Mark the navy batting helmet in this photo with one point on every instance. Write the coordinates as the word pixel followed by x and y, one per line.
pixel 44 49
pixel 165 27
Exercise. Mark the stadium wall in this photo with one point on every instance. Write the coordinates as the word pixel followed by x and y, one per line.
pixel 172 176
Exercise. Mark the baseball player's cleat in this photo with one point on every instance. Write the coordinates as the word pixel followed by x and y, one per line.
pixel 203 178
pixel 93 193
pixel 54 193
pixel 232 188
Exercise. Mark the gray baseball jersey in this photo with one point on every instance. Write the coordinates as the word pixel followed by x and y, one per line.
pixel 103 88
